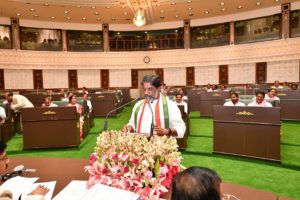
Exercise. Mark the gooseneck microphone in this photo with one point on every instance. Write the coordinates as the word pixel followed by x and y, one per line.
pixel 107 115
pixel 152 122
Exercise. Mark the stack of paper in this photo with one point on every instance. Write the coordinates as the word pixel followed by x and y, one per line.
pixel 22 186
pixel 76 190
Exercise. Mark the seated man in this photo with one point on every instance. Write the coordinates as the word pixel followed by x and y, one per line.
pixel 179 101
pixel 224 88
pixel 37 194
pixel 197 183
pixel 277 85
pixel 234 100
pixel 294 86
pixel 260 100
pixel 272 94
pixel 48 103
pixel 156 108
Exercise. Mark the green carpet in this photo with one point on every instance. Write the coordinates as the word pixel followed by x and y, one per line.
pixel 282 179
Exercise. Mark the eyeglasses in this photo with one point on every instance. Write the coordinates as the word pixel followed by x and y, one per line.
pixel 4 159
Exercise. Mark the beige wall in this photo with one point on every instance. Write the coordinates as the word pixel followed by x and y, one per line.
pixel 55 78
pixel 175 76
pixel 241 73
pixel 18 79
pixel 120 78
pixel 206 74
pixel 282 71
pixel 89 78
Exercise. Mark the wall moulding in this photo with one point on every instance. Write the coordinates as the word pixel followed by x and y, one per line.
pixel 276 50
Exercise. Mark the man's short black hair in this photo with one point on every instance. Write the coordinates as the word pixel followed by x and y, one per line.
pixel 196 183
pixel 234 93
pixel 2 146
pixel 260 92
pixel 10 94
pixel 152 79
pixel 270 89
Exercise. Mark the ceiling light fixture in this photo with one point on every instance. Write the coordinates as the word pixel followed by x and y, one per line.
pixel 68 18
pixel 206 12
pixel 32 9
pixel 108 7
pixel 139 18
pixel 239 7
pixel 258 3
pixel 93 7
pixel 223 9
pixel 18 14
pixel 35 16
pixel 66 12
pixel 96 13
pixel 125 13
pixel 83 19
pixel 222 3
pixel 52 17
pixel 46 4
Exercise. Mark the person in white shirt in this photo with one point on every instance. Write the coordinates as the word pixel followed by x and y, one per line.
pixel 2 115
pixel 88 102
pixel 18 102
pixel 155 108
pixel 179 101
pixel 234 100
pixel 272 94
pixel 48 103
pixel 260 100
pixel 277 85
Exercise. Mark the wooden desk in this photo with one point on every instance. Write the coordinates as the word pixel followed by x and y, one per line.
pixel 50 127
pixel 64 170
pixel 208 99
pixel 290 104
pixel 247 131
pixel 103 103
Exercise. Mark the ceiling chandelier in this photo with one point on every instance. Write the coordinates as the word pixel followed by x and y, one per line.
pixel 139 17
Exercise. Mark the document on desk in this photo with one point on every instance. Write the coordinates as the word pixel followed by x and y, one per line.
pixel 22 186
pixel 76 190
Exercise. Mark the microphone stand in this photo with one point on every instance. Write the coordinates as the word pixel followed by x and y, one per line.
pixel 107 115
pixel 152 122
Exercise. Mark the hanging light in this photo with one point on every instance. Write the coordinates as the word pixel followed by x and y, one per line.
pixel 139 18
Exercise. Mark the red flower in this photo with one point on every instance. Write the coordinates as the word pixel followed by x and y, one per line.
pixel 135 161
pixel 115 156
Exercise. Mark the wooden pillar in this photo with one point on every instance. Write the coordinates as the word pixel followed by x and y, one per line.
pixel 232 32
pixel 105 31
pixel 64 40
pixel 190 76
pixel 223 74
pixel 15 33
pixel 261 73
pixel 285 10
pixel 187 34
pixel 104 73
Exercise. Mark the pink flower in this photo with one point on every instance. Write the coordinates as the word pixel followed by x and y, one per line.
pixel 164 170
pixel 148 174
pixel 93 158
pixel 124 157
pixel 126 169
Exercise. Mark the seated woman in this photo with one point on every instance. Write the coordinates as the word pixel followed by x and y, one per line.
pixel 73 102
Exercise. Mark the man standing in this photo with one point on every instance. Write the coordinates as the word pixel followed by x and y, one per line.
pixel 260 100
pixel 155 108
pixel 234 100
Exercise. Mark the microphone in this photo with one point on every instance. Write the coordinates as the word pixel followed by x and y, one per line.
pixel 107 115
pixel 18 170
pixel 152 122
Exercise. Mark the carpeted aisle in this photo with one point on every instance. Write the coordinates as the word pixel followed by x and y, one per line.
pixel 282 179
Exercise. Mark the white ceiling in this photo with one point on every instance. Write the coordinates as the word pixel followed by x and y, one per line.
pixel 122 11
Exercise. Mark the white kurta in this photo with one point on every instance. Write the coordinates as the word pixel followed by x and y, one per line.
pixel 175 120
pixel 270 98
pixel 263 104
pixel 229 103
pixel 19 102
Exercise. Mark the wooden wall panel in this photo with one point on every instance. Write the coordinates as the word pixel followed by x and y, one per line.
pixel 190 76
pixel 38 79
pixel 261 72
pixel 2 86
pixel 104 73
pixel 73 79
pixel 134 78
pixel 160 73
pixel 223 74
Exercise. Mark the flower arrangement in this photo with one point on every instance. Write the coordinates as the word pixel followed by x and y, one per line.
pixel 133 162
